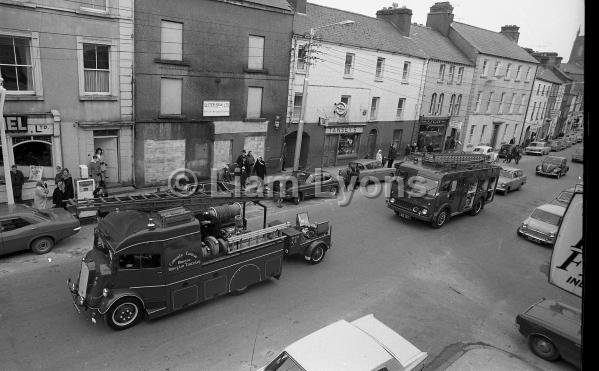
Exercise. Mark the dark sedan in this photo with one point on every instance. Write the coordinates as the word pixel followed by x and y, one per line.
pixel 300 185
pixel 553 166
pixel 553 330
pixel 23 228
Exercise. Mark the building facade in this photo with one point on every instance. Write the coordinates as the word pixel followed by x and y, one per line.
pixel 69 85
pixel 365 80
pixel 539 105
pixel 211 79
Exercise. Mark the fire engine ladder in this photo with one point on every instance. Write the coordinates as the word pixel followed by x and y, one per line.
pixel 470 160
pixel 247 240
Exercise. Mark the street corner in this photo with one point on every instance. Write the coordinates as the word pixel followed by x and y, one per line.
pixel 477 356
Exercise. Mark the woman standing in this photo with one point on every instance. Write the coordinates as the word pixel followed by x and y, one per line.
pixel 69 191
pixel 58 196
pixel 379 156
pixel 99 153
pixel 40 196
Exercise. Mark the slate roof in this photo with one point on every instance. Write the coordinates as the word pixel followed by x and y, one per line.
pixel 548 75
pixel 492 43
pixel 571 68
pixel 366 32
pixel 437 46
pixel 280 4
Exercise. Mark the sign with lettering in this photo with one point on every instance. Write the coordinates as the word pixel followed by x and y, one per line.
pixel 216 107
pixel 16 124
pixel 344 129
pixel 434 120
pixel 566 261
pixel 24 124
pixel 340 109
pixel 184 260
pixel 36 173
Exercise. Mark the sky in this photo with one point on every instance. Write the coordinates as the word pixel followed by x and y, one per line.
pixel 545 25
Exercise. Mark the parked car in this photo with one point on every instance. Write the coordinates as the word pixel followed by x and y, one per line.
pixel 542 224
pixel 510 179
pixel 363 344
pixel 553 330
pixel 371 169
pixel 553 166
pixel 300 185
pixel 486 150
pixel 564 197
pixel 578 155
pixel 505 149
pixel 537 148
pixel 23 227
pixel 556 145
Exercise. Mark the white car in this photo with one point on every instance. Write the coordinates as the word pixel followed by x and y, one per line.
pixel 365 344
pixel 488 151
pixel 543 224
pixel 538 148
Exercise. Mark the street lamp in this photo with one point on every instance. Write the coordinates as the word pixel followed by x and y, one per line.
pixel 300 126
pixel 7 179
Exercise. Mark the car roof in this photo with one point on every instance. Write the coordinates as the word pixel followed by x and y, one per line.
pixel 557 316
pixel 553 209
pixel 508 168
pixel 7 210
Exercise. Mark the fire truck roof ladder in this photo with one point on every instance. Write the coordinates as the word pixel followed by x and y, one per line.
pixel 455 159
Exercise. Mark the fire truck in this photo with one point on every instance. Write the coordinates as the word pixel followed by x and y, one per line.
pixel 158 253
pixel 435 187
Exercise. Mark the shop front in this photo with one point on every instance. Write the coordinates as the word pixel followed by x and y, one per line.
pixel 341 144
pixel 431 133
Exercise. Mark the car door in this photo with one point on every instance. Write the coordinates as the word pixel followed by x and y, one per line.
pixel 17 232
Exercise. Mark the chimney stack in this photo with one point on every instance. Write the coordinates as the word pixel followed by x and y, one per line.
pixel 401 18
pixel 440 17
pixel 511 32
pixel 299 6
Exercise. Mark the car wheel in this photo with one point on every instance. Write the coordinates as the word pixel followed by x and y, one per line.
pixel 441 219
pixel 478 206
pixel 125 313
pixel 42 245
pixel 317 254
pixel 543 347
pixel 507 190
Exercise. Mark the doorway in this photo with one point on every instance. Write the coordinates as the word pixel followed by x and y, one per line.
pixel 289 151
pixel 494 135
pixel 110 148
pixel 371 144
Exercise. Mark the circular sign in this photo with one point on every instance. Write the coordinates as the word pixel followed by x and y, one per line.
pixel 341 108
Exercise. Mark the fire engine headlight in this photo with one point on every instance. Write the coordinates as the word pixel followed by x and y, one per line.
pixel 424 211
pixel 392 200
pixel 105 292
pixel 538 167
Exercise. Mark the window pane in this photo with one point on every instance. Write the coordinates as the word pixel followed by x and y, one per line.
pixel 22 51
pixel 348 144
pixel 170 96
pixel 89 56
pixel 297 106
pixel 171 40
pixel 129 262
pixel 10 77
pixel 25 77
pixel 7 55
pixel 33 153
pixel 256 53
pixel 103 56
pixel 150 260
pixel 96 81
pixel 349 60
pixel 254 104
pixel 301 57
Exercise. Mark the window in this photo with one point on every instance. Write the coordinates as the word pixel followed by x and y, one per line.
pixel 96 68
pixel 348 144
pixel 489 102
pixel 507 71
pixel 478 101
pixel 150 261
pixel 129 261
pixel 400 106
pixel 485 67
pixel 538 88
pixel 515 130
pixel 500 109
pixel 497 68
pixel 507 126
pixel 431 109
pixel 528 74
pixel 256 53
pixel 471 134
pixel 450 75
pixel 13 223
pixel 15 63
pixel 482 134
pixel 460 75
pixel 406 72
pixel 254 104
pixel 36 153
pixel 543 91
pixel 512 104
pixel 94 4
pixel 170 96
pixel 349 64
pixel 301 56
pixel 374 107
pixel 458 104
pixel 441 73
pixel 347 100
pixel 380 65
pixel 532 114
pixel 297 106
pixel 518 73
pixel 451 103
pixel 171 41
pixel 522 103
pixel 440 104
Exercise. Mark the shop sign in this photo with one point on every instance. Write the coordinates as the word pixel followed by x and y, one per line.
pixel 344 130
pixel 36 173
pixel 456 125
pixel 340 109
pixel 16 124
pixel 434 121
pixel 23 124
pixel 216 107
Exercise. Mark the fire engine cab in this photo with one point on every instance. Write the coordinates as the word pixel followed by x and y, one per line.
pixel 148 261
pixel 435 187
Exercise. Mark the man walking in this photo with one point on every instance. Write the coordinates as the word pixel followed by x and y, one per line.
pixel 391 155
pixel 17 178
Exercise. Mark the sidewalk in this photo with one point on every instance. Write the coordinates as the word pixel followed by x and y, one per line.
pixel 477 357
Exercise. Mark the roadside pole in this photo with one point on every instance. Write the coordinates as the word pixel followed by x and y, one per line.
pixel 7 179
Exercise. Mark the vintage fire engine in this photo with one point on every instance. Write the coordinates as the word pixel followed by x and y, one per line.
pixel 435 187
pixel 158 253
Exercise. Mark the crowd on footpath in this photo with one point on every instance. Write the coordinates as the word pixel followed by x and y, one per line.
pixel 63 180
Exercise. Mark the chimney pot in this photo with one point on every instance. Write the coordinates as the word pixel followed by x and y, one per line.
pixel 511 32
pixel 440 17
pixel 401 18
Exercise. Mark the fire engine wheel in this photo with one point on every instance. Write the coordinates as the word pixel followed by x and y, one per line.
pixel 543 347
pixel 317 254
pixel 125 313
pixel 478 206
pixel 441 219
pixel 42 245
pixel 239 291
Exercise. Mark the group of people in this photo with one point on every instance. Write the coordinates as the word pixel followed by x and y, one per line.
pixel 514 154
pixel 64 189
pixel 247 165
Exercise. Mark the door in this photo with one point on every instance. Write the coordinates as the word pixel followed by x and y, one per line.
pixel 110 156
pixel 494 135
pixel 371 144
pixel 397 136
pixel 449 194
pixel 16 234
pixel 467 193
pixel 330 150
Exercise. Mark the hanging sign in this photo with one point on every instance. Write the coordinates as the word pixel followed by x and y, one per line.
pixel 36 173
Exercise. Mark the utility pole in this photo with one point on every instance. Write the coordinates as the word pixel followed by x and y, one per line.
pixel 7 179
pixel 300 126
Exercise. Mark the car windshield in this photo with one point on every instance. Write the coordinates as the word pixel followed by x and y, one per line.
pixel 536 144
pixel 553 161
pixel 478 149
pixel 418 184
pixel 506 173
pixel 546 217
pixel 565 196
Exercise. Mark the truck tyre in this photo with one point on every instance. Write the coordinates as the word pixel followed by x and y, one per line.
pixel 478 206
pixel 543 347
pixel 42 245
pixel 124 313
pixel 316 253
pixel 441 218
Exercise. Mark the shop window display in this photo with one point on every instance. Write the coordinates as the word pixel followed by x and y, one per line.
pixel 33 153
pixel 348 144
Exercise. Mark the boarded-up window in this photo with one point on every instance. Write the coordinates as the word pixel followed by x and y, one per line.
pixel 171 40
pixel 170 96
pixel 256 53
pixel 254 105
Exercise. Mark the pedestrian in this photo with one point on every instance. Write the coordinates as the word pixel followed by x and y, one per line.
pixel 58 176
pixel 59 196
pixel 241 159
pixel 249 162
pixel 95 170
pixel 40 196
pixel 414 147
pixel 18 179
pixel 379 155
pixel 391 155
pixel 68 183
pixel 100 190
pixel 516 154
pixel 260 169
pixel 103 166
